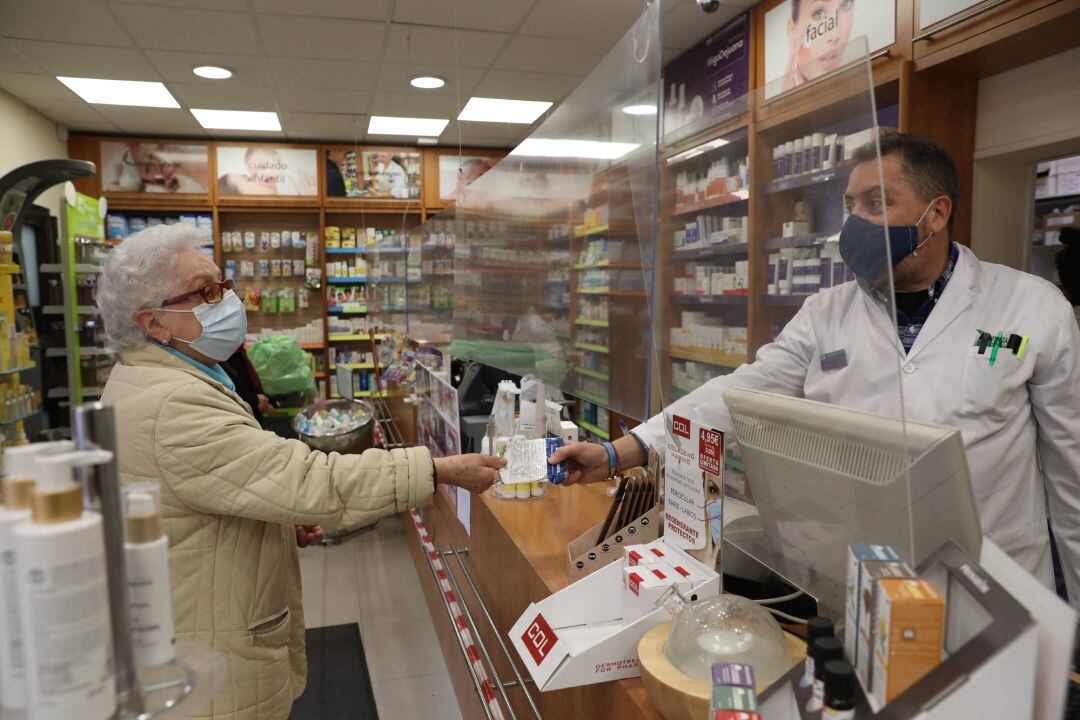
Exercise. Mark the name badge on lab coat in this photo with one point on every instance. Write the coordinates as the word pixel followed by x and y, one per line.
pixel 834 360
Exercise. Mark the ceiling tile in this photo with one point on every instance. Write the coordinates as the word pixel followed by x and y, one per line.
pixel 233 5
pixel 364 10
pixel 11 60
pixel 600 22
pixel 526 85
pixel 72 114
pixel 223 95
pixel 88 60
pixel 168 28
pixel 323 126
pixel 321 38
pixel 570 57
pixel 412 44
pixel 687 25
pixel 61 21
pixel 395 78
pixel 416 105
pixel 333 74
pixel 35 87
pixel 318 100
pixel 173 65
pixel 150 120
pixel 472 133
pixel 498 15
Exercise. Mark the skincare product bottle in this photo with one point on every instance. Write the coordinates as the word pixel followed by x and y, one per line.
pixel 808 153
pixel 797 157
pixel 64 598
pixel 18 498
pixel 839 691
pixel 146 550
pixel 824 650
pixel 828 153
pixel 816 627
pixel 816 149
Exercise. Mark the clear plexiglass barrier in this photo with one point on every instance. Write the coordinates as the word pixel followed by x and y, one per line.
pixel 806 450
pixel 553 247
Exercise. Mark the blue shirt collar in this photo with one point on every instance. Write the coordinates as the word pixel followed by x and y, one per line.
pixel 216 372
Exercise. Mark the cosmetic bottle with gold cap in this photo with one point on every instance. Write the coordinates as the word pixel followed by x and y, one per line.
pixel 146 550
pixel 19 484
pixel 64 597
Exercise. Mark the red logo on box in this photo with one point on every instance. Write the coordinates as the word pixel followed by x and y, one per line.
pixel 659 574
pixel 680 426
pixel 682 571
pixel 710 451
pixel 539 638
pixel 635 583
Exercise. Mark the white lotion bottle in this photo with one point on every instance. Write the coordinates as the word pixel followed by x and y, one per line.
pixel 18 497
pixel 146 551
pixel 64 597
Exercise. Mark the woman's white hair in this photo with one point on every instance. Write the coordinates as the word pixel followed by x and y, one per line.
pixel 140 272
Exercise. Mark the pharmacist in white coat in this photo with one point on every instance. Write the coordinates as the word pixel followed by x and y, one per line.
pixel 1020 415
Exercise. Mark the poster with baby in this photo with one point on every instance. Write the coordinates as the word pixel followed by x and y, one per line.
pixel 155 167
pixel 269 170
pixel 807 39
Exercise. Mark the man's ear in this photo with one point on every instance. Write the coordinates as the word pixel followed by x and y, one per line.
pixel 942 212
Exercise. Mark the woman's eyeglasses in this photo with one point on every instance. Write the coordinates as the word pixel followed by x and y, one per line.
pixel 211 294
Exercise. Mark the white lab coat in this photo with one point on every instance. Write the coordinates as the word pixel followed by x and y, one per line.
pixel 1020 418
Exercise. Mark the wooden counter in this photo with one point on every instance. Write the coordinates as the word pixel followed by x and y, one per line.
pixel 517 555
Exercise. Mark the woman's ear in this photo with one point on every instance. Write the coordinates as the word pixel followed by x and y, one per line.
pixel 151 324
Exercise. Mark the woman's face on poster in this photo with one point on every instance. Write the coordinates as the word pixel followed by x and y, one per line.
pixel 818 32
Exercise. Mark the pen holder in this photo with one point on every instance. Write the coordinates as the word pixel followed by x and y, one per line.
pixel 586 557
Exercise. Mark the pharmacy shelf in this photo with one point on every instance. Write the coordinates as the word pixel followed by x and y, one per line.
pixel 592 323
pixel 815 178
pixel 10 269
pixel 719 201
pixel 797 241
pixel 589 427
pixel 59 310
pixel 586 232
pixel 593 374
pixel 591 348
pixel 12 371
pixel 347 281
pixel 354 338
pixel 364 394
pixel 710 299
pixel 792 301
pixel 62 392
pixel 84 268
pixel 710 251
pixel 585 395
pixel 388 279
pixel 311 346
pixel 357 310
pixel 709 357
pixel 366 250
pixel 354 366
pixel 83 351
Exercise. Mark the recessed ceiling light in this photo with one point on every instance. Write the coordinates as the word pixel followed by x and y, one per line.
pixel 427 141
pixel 427 82
pixel 584 149
pixel 640 109
pixel 420 127
pixel 237 120
pixel 523 112
pixel 213 72
pixel 136 93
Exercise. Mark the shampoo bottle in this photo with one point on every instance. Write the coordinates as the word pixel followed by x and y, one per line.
pixel 146 551
pixel 18 497
pixel 64 597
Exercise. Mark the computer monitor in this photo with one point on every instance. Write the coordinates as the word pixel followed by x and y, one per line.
pixel 824 477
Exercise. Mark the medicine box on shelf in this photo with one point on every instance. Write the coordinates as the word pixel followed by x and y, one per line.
pixel 577 635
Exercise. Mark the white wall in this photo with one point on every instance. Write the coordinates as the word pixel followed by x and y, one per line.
pixel 1024 115
pixel 26 136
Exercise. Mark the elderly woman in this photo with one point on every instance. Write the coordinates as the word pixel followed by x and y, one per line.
pixel 233 493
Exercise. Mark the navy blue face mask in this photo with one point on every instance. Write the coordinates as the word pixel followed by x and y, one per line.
pixel 863 251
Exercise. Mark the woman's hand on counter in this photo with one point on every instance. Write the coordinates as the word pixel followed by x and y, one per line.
pixel 585 462
pixel 475 473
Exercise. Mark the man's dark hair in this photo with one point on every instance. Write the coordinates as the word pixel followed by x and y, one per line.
pixel 925 164
pixel 1068 263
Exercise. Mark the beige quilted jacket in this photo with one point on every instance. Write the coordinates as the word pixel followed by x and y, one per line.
pixel 232 493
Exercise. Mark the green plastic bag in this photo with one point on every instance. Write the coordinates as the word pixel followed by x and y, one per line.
pixel 283 367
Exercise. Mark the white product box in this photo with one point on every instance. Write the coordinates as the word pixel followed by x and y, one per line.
pixel 643 555
pixel 568 431
pixel 577 635
pixel 644 584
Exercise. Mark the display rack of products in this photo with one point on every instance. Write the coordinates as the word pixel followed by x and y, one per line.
pixel 430 275
pixel 120 224
pixel 18 401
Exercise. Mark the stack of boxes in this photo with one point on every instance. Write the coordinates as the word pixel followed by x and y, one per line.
pixel 699 331
pixel 723 177
pixel 806 271
pixel 649 571
pixel 309 334
pixel 371 238
pixel 734 695
pixel 689 376
pixel 710 230
pixel 704 280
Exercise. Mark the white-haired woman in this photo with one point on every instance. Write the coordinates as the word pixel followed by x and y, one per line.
pixel 232 492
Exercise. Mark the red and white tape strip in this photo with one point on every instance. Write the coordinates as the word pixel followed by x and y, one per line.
pixel 487 690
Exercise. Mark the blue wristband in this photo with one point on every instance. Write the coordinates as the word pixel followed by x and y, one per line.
pixel 613 463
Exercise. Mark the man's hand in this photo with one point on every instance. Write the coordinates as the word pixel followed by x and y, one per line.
pixel 265 405
pixel 585 462
pixel 308 535
pixel 475 473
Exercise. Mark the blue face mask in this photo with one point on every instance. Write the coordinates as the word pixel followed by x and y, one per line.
pixel 863 251
pixel 224 326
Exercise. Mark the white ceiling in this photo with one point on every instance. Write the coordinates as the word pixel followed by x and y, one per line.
pixel 323 65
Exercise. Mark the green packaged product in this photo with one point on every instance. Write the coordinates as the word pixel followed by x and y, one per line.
pixel 282 366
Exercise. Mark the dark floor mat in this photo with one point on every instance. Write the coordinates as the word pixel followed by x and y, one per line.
pixel 338 682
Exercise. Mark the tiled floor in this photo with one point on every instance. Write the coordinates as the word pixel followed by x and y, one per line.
pixel 371 580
